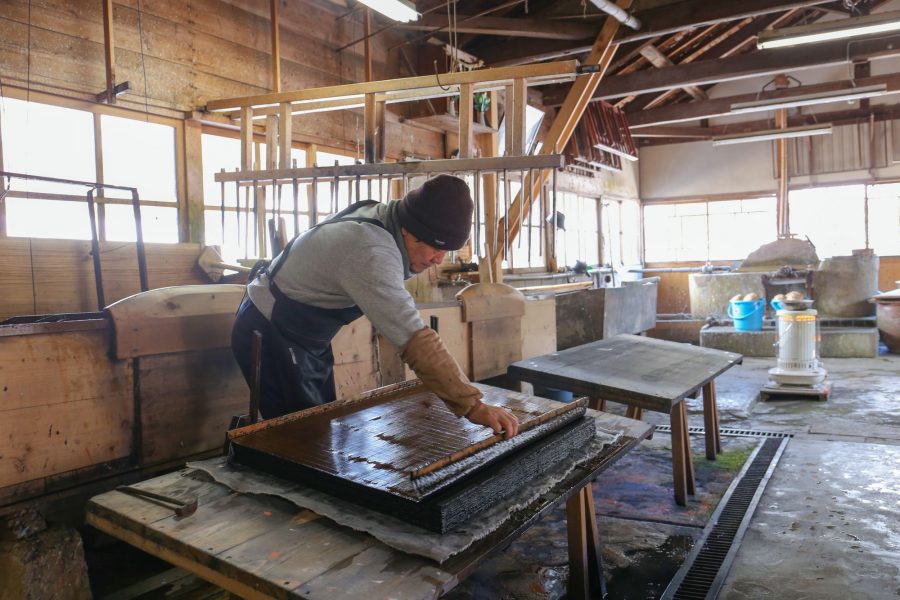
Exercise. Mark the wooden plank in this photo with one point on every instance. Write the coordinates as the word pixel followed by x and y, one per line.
pixel 175 319
pixel 15 278
pixel 187 401
pixel 64 405
pixel 484 301
pixel 503 26
pixel 556 69
pixel 496 343
pixel 539 327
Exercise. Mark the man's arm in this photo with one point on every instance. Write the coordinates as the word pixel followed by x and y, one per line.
pixel 426 354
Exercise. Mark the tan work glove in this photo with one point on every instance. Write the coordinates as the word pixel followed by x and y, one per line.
pixel 426 354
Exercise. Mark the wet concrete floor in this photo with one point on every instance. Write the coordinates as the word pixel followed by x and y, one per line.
pixel 827 525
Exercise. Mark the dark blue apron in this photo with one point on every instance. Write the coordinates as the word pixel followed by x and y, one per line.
pixel 297 361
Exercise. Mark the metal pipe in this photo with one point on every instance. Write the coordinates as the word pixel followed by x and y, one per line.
pixel 139 241
pixel 617 13
pixel 702 269
pixel 95 251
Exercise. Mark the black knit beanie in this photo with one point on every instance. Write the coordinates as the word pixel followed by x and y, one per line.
pixel 439 212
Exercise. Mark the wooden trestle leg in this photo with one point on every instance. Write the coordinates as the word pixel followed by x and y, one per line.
pixel 585 561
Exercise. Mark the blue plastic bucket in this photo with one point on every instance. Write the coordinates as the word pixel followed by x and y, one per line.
pixel 747 314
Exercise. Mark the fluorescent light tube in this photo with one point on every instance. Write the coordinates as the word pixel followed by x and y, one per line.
pixel 830 30
pixel 859 93
pixel 772 134
pixel 398 10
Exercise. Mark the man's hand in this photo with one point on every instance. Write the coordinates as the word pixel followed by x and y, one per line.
pixel 498 419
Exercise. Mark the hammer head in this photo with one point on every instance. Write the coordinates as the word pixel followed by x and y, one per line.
pixel 186 510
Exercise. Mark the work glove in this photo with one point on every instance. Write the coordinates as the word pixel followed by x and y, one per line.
pixel 427 356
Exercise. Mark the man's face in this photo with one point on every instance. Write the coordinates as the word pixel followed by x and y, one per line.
pixel 421 255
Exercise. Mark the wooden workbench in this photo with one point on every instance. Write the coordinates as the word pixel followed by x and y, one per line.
pixel 643 373
pixel 261 547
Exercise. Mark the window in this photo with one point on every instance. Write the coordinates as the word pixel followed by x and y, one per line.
pixel 833 218
pixel 59 142
pixel 581 238
pixel 884 218
pixel 713 230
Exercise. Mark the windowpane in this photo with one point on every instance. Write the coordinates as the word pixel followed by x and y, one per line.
pixel 40 139
pixel 832 218
pixel 141 155
pixel 27 217
pixel 884 219
pixel 159 224
pixel 218 153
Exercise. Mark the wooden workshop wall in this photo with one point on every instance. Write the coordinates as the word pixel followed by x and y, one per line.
pixel 199 50
pixel 64 406
pixel 57 276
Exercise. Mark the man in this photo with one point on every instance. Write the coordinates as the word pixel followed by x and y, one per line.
pixel 352 264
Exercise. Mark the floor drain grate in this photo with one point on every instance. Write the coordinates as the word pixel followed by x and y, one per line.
pixel 734 432
pixel 704 570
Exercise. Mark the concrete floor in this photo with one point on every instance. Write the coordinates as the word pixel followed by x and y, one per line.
pixel 827 525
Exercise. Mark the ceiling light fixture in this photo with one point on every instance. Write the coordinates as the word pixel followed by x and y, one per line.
pixel 858 93
pixel 772 134
pixel 829 30
pixel 398 10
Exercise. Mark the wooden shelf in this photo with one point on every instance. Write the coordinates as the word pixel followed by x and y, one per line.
pixel 449 123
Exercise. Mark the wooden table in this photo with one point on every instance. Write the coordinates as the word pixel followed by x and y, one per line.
pixel 265 547
pixel 643 373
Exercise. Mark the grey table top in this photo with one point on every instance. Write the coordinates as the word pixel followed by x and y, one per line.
pixel 640 371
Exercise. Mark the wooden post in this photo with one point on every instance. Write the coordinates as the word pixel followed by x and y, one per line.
pixel 98 176
pixel 246 138
pixel 193 182
pixel 466 107
pixel 285 135
pixel 369 121
pixel 516 120
pixel 109 51
pixel 271 141
pixel 276 46
pixel 679 468
pixel 585 560
pixel 781 207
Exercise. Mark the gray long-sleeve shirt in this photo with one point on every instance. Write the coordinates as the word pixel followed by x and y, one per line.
pixel 341 264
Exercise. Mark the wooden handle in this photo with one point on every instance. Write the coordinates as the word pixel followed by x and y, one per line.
pixel 479 446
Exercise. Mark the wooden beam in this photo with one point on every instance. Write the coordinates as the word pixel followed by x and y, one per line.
pixel 747 65
pixel 717 107
pixel 193 181
pixel 524 51
pixel 661 61
pixel 670 18
pixel 562 127
pixel 502 26
pixel 548 70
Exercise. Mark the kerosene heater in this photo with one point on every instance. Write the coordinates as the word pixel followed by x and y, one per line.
pixel 798 371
